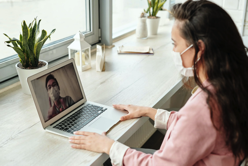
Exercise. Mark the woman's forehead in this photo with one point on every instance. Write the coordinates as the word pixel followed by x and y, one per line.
pixel 175 32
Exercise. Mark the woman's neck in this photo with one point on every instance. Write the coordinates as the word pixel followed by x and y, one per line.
pixel 202 74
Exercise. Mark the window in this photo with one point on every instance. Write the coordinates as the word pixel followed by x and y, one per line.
pixel 66 16
pixel 125 15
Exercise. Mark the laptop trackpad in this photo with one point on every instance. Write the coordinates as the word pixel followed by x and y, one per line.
pixel 102 123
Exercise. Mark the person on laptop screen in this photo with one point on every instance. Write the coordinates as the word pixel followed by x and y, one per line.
pixel 56 102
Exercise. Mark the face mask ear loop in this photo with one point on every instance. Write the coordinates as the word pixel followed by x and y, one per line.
pixel 187 49
pixel 197 60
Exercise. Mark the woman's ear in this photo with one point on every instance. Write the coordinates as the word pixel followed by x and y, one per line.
pixel 201 47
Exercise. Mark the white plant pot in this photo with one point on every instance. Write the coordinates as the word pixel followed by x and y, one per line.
pixel 141 30
pixel 23 74
pixel 152 26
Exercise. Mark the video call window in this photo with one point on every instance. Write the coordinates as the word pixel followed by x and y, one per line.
pixel 57 91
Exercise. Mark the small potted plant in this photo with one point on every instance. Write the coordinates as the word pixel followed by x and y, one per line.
pixel 28 48
pixel 152 20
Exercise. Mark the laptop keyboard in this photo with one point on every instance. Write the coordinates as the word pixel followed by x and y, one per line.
pixel 80 118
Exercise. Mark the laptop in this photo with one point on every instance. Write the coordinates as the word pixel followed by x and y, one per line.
pixel 62 105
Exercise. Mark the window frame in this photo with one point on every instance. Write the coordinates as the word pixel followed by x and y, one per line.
pixel 57 49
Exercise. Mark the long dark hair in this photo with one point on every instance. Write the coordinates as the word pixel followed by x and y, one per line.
pixel 225 62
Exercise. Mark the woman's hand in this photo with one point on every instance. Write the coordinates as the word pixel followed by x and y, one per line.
pixel 91 141
pixel 136 111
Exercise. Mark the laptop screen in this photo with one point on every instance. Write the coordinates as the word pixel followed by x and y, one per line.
pixel 57 91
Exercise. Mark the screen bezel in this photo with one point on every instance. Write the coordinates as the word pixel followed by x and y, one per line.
pixel 68 110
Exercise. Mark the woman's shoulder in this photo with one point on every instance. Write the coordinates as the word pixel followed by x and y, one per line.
pixel 197 108
pixel 199 96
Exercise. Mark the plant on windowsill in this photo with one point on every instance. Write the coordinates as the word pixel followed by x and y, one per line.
pixel 28 48
pixel 152 19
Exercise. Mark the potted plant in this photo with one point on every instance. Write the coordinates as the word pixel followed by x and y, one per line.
pixel 28 48
pixel 152 19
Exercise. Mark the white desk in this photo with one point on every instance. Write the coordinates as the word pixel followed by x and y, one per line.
pixel 147 80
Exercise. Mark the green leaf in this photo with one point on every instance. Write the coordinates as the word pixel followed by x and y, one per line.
pixel 20 54
pixel 38 28
pixel 149 8
pixel 31 24
pixel 39 44
pixel 42 36
pixel 20 38
pixel 152 3
pixel 155 9
pixel 31 40
pixel 19 43
pixel 31 58
pixel 52 32
pixel 25 36
pixel 11 40
pixel 160 5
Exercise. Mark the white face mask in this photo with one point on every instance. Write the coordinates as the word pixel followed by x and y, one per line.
pixel 187 72
pixel 54 93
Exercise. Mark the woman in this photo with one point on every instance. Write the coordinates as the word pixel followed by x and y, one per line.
pixel 211 129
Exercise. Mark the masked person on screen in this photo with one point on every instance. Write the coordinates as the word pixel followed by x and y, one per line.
pixel 56 102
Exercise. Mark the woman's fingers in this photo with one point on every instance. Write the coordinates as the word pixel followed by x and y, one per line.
pixel 83 133
pixel 76 137
pixel 120 107
pixel 77 141
pixel 91 141
pixel 126 117
pixel 78 146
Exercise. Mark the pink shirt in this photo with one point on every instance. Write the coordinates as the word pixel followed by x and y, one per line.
pixel 191 139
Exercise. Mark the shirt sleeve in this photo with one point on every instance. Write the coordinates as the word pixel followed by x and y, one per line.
pixel 190 138
pixel 161 119
pixel 117 152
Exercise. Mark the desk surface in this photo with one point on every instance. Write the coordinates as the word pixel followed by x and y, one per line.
pixel 146 80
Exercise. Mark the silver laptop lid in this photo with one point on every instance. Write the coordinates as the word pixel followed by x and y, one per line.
pixel 56 91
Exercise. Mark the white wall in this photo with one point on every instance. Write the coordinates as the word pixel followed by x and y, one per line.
pixel 246 22
pixel 235 8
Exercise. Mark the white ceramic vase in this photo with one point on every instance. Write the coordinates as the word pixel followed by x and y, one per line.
pixel 152 26
pixel 23 74
pixel 141 30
